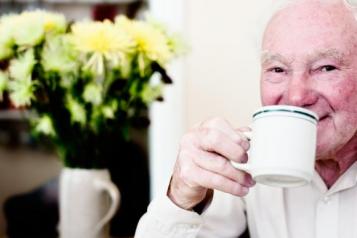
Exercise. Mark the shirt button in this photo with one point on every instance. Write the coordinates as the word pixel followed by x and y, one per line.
pixel 326 199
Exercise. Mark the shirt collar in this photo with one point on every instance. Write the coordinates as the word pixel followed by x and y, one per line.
pixel 347 180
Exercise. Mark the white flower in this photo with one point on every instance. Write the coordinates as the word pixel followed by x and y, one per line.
pixel 29 28
pixel 6 36
pixel 28 33
pixel 21 86
pixel 59 56
pixel 21 91
pixel 77 111
pixel 93 94
pixel 67 80
pixel 44 125
pixel 110 109
pixel 22 67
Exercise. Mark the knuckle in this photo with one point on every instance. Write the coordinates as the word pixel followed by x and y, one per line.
pixel 187 139
pixel 185 173
pixel 215 121
pixel 222 165
pixel 212 137
pixel 184 155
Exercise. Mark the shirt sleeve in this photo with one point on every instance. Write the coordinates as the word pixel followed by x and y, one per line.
pixel 224 217
pixel 166 220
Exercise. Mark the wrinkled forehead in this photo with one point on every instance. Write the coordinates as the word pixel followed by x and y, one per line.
pixel 312 25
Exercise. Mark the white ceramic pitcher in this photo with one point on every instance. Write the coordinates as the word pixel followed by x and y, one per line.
pixel 88 200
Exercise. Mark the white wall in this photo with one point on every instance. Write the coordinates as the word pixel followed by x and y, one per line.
pixel 219 77
pixel 223 64
pixel 168 118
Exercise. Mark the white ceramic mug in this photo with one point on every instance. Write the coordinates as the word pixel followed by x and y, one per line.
pixel 283 145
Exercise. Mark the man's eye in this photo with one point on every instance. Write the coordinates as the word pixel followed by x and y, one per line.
pixel 327 68
pixel 276 70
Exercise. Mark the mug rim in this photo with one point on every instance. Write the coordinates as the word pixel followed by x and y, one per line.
pixel 287 108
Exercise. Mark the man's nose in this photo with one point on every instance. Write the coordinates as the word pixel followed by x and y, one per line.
pixel 300 92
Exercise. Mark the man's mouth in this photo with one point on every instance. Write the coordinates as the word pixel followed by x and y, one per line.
pixel 323 117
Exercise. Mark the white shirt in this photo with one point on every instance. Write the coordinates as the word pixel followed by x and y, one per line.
pixel 311 211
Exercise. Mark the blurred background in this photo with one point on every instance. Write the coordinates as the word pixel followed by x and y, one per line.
pixel 219 76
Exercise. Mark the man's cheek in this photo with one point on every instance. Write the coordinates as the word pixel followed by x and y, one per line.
pixel 270 97
pixel 344 95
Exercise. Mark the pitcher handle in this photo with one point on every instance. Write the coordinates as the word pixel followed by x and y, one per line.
pixel 114 195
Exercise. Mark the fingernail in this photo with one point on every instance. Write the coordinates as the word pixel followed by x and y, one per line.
pixel 250 180
pixel 245 190
pixel 245 144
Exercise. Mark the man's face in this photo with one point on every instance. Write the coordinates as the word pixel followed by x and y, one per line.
pixel 310 60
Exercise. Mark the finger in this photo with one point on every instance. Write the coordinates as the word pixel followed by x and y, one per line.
pixel 225 127
pixel 212 180
pixel 219 165
pixel 244 129
pixel 215 141
pixel 244 139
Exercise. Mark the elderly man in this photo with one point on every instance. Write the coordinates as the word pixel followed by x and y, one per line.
pixel 309 60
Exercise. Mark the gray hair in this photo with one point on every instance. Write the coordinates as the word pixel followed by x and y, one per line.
pixel 266 15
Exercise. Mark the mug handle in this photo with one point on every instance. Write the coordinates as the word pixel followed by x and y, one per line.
pixel 245 167
pixel 114 194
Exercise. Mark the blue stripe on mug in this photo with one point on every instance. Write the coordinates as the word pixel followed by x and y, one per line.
pixel 285 110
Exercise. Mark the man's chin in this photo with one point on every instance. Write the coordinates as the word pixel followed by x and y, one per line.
pixel 322 152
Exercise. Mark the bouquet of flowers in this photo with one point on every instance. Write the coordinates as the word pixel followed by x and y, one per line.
pixel 85 82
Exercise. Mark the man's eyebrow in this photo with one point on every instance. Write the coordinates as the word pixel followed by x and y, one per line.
pixel 329 53
pixel 267 57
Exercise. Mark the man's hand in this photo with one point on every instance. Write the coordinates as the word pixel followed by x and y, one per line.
pixel 203 163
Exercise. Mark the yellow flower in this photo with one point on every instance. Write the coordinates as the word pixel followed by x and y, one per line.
pixel 55 23
pixel 102 41
pixel 175 42
pixel 150 40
